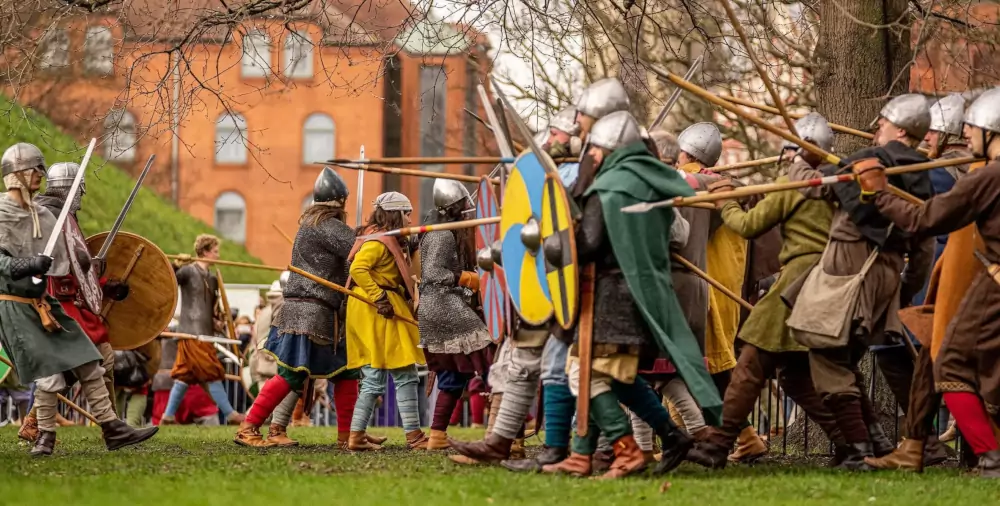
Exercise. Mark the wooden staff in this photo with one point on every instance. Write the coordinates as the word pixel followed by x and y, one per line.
pixel 350 293
pixel 766 108
pixel 745 165
pixel 704 275
pixel 517 145
pixel 760 189
pixel 62 398
pixel 435 160
pixel 419 173
pixel 420 229
pixel 780 104
pixel 585 352
pixel 758 121
pixel 189 258
pixel 283 234
pixel 227 315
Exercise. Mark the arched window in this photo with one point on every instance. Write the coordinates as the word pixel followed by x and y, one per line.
pixel 55 49
pixel 307 202
pixel 298 54
pixel 98 51
pixel 318 138
pixel 231 216
pixel 230 139
pixel 120 138
pixel 256 54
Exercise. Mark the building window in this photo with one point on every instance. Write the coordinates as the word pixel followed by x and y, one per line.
pixel 55 49
pixel 256 54
pixel 230 139
pixel 98 51
pixel 432 126
pixel 120 139
pixel 231 216
pixel 318 139
pixel 298 55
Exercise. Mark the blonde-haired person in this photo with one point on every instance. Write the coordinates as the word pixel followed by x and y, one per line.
pixel 197 362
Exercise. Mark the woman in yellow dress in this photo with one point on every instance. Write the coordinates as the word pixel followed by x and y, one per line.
pixel 377 342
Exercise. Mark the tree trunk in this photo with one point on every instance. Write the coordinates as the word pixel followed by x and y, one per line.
pixel 859 63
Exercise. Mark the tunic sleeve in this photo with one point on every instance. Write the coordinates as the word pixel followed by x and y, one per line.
pixel 802 171
pixel 5 262
pixel 591 232
pixel 973 195
pixel 365 261
pixel 760 218
pixel 680 230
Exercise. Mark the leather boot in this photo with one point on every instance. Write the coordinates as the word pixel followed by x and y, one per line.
pixel 491 450
pixel 576 465
pixel 29 428
pixel 602 460
pixel 881 444
pixel 117 434
pixel 855 458
pixel 712 451
pixel 277 435
pixel 358 442
pixel 44 444
pixel 989 464
pixel 548 456
pixel 749 447
pixel 235 418
pixel 935 453
pixel 676 444
pixel 438 440
pixel 840 452
pixel 375 440
pixel 909 456
pixel 249 435
pixel 628 459
pixel 416 440
pixel 517 450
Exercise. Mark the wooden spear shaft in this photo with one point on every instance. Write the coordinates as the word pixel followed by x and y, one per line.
pixel 761 71
pixel 704 275
pixel 435 160
pixel 283 234
pixel 62 398
pixel 766 108
pixel 745 165
pixel 419 173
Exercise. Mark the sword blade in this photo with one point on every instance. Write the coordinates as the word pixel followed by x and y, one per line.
pixel 676 95
pixel 525 132
pixel 64 212
pixel 128 205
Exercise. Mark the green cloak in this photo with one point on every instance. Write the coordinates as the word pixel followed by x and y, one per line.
pixel 641 243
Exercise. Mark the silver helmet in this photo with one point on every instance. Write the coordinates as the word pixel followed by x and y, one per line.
pixel 984 112
pixel 565 121
pixel 946 114
pixel 814 128
pixel 448 192
pixel 21 157
pixel 909 112
pixel 602 98
pixel 62 174
pixel 615 130
pixel 702 141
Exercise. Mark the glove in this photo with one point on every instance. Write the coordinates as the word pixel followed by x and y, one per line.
pixel 32 266
pixel 384 307
pixel 469 280
pixel 116 290
pixel 723 185
pixel 871 177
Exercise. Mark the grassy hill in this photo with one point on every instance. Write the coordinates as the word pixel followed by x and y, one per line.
pixel 151 216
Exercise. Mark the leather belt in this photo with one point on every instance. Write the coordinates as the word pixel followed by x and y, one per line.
pixel 41 306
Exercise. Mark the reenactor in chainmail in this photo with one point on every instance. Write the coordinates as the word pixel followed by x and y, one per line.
pixel 457 344
pixel 306 337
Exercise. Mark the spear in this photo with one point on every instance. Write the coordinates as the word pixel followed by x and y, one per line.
pixel 746 164
pixel 704 275
pixel 747 191
pixel 420 229
pixel 414 172
pixel 63 398
pixel 517 145
pixel 760 122
pixel 766 108
pixel 283 234
pixel 434 160
pixel 199 337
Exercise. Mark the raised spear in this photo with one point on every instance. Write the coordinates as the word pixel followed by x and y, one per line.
pixel 414 172
pixel 766 108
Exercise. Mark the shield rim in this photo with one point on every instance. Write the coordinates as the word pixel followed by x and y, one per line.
pixel 493 288
pixel 569 291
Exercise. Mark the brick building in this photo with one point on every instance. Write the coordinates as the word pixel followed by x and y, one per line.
pixel 256 105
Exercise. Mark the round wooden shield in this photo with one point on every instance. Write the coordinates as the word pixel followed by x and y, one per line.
pixel 493 290
pixel 524 268
pixel 4 368
pixel 152 297
pixel 557 225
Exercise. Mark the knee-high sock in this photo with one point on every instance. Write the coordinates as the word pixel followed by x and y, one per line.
pixel 176 396
pixel 850 420
pixel 218 393
pixel 643 432
pixel 559 407
pixel 640 399
pixel 271 394
pixel 477 405
pixel 447 401
pixel 609 416
pixel 456 414
pixel 345 396
pixel 407 385
pixel 282 415
pixel 45 410
pixel 136 408
pixel 676 391
pixel 363 411
pixel 514 407
pixel 971 418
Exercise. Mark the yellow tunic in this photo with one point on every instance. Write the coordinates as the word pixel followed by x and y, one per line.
pixel 726 263
pixel 371 339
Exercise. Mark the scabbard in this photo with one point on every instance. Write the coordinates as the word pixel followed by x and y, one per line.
pixel 585 347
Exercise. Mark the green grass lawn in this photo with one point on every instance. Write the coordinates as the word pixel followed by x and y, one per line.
pixel 201 466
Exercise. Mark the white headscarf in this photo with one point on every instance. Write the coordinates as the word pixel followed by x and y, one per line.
pixel 393 201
